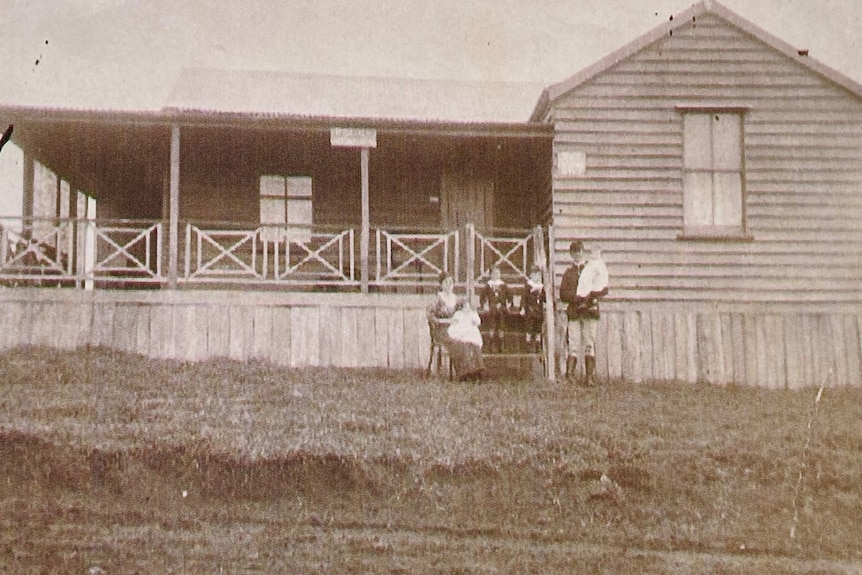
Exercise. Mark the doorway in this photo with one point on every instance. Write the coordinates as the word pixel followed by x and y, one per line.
pixel 466 199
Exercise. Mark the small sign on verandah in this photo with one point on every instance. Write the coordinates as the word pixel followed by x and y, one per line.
pixel 353 137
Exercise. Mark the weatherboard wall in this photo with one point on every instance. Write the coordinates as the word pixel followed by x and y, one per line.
pixel 803 173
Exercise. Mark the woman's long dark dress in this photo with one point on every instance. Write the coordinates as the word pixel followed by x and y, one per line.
pixel 463 356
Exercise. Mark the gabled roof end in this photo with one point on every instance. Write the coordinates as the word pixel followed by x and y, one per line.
pixel 555 91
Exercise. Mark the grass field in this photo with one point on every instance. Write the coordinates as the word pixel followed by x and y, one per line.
pixel 112 463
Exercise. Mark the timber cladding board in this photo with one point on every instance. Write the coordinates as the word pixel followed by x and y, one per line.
pixel 366 335
pixel 381 336
pixel 161 330
pixel 241 329
pixel 330 339
pixel 305 338
pixel 125 328
pixel 218 332
pixel 102 331
pixel 42 331
pixel 349 330
pixel 395 331
pixel 262 328
pixel 190 332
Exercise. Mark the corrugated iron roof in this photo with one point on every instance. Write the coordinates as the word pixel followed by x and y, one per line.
pixel 279 94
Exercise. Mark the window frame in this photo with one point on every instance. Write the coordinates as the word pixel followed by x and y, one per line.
pixel 713 232
pixel 285 229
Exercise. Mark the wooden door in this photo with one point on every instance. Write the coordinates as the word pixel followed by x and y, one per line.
pixel 465 200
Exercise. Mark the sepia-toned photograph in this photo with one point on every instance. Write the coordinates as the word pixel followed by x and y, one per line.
pixel 431 287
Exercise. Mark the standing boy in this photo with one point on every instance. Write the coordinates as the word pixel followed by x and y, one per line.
pixel 533 309
pixel 498 298
pixel 583 284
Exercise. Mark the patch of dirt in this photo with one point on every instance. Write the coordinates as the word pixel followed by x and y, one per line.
pixel 186 509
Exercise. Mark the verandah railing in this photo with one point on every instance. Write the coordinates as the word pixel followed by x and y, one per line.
pixel 222 252
pixel 406 257
pixel 76 252
pixel 133 253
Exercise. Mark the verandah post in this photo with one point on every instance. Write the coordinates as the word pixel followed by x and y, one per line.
pixel 174 209
pixel 364 139
pixel 366 227
pixel 550 335
pixel 28 194
pixel 471 261
pixel 73 234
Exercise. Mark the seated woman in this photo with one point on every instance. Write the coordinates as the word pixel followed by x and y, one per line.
pixel 465 361
pixel 465 347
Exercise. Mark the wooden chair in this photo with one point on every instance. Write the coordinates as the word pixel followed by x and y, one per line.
pixel 438 349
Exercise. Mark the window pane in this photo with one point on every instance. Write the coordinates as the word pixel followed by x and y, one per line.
pixel 728 200
pixel 272 186
pixel 696 143
pixel 299 187
pixel 697 201
pixel 726 135
pixel 299 214
pixel 272 211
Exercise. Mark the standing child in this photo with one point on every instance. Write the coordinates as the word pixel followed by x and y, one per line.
pixel 533 309
pixel 498 298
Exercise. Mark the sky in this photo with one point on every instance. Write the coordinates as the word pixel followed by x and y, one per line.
pixel 126 54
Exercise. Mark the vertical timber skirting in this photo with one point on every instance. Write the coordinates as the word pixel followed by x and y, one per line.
pixel 776 349
pixel 763 346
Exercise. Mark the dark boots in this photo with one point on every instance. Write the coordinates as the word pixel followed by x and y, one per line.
pixel 497 339
pixel 571 369
pixel 590 367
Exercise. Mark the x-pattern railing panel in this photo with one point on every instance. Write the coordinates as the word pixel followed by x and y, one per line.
pixel 323 255
pixel 128 249
pixel 511 255
pixel 400 254
pixel 217 253
pixel 44 253
pixel 259 255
